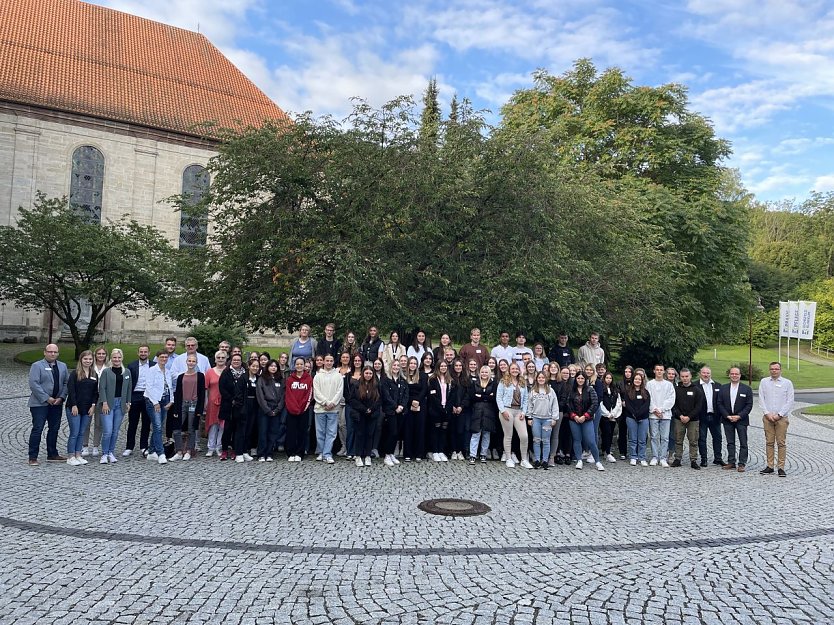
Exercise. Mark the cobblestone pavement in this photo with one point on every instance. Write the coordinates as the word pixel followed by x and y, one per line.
pixel 205 541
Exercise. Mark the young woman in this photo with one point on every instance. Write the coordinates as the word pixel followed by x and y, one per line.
pixel 226 388
pixel 543 415
pixel 284 365
pixel 298 392
pixel 189 405
pixel 114 392
pixel 472 370
pixel 539 357
pixel 263 359
pixel 441 400
pixel 99 365
pixel 445 343
pixel 530 372
pixel 344 371
pixel 511 399
pixel 418 347
pixel 565 446
pixel 379 368
pixel 622 424
pixel 344 362
pixel 427 363
pixel 553 374
pixel 461 411
pixel 482 399
pixel 393 350
pixel 636 409
pixel 270 394
pixel 413 435
pixel 366 403
pixel 611 406
pixel 351 419
pixel 582 404
pixel 246 401
pixel 158 401
pixel 214 426
pixel 82 387
pixel 496 369
pixel 371 347
pixel 394 395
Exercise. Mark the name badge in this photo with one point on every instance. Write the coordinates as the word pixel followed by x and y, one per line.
pixel 742 395
pixel 478 395
pixel 690 393
pixel 477 351
pixel 565 354
pixel 639 397
pixel 48 369
pixel 432 392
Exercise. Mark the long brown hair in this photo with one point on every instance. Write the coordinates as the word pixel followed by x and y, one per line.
pixel 80 374
pixel 368 389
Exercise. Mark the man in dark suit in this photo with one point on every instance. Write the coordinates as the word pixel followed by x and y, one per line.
pixel 48 386
pixel 138 408
pixel 710 419
pixel 735 403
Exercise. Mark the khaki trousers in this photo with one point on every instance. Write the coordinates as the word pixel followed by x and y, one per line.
pixel 775 433
pixel 692 430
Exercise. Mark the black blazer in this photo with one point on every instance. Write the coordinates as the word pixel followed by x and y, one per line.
pixel 716 389
pixel 742 406
pixel 134 374
pixel 393 393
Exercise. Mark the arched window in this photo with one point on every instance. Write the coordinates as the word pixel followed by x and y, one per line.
pixel 86 182
pixel 193 224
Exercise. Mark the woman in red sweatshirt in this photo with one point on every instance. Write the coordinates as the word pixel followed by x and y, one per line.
pixel 297 394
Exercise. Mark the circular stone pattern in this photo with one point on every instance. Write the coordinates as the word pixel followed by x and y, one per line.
pixel 454 507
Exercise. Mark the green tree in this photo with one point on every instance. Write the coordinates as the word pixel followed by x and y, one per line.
pixel 63 263
pixel 430 117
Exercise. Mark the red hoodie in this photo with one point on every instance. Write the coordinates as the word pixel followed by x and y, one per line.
pixel 298 392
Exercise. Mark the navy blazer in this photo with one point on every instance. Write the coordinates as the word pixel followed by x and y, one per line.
pixel 134 372
pixel 716 408
pixel 743 404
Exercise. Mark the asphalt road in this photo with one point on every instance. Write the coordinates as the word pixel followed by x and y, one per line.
pixel 814 398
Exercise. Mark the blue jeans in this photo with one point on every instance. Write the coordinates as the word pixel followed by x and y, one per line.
pixel 43 415
pixel 659 431
pixel 351 427
pixel 541 438
pixel 327 425
pixel 110 425
pixel 584 435
pixel 473 443
pixel 637 433
pixel 76 428
pixel 157 417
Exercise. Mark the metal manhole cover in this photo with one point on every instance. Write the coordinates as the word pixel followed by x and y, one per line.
pixel 454 507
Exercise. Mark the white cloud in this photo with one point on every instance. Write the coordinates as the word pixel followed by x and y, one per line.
pixel 823 183
pixel 498 89
pixel 800 145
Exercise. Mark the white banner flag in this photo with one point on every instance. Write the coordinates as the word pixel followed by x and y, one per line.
pixel 784 319
pixel 807 313
pixel 794 319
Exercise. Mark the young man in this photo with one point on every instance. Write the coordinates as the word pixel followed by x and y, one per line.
pixel 710 419
pixel 474 349
pixel 329 344
pixel 561 352
pixel 689 402
pixel 138 407
pixel 521 353
pixel 776 397
pixel 171 350
pixel 328 388
pixel 48 386
pixel 735 403
pixel 503 351
pixel 662 395
pixel 591 353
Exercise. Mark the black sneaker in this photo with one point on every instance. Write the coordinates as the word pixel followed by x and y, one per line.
pixel 536 464
pixel 782 473
pixel 471 459
pixel 483 459
pixel 676 463
pixel 704 464
pixel 719 462
pixel 695 465
pixel 558 459
pixel 766 471
pixel 545 466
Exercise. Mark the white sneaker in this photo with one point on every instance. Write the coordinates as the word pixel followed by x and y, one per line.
pixel 112 458
pixel 504 457
pixel 187 456
pixel 388 462
pixel 162 459
pixel 104 459
pixel 394 459
pixel 526 465
pixel 633 462
pixel 247 457
pixel 579 464
pixel 610 458
pixel 291 459
pixel 209 453
pixel 153 456
pixel 515 459
pixel 329 460
pixel 298 458
pixel 664 464
pixel 319 458
pixel 367 461
pixel 510 464
pixel 81 460
pixel 359 462
pixel 262 459
pixel 94 452
pixel 643 463
pixel 600 467
pixel 85 451
pixel 443 457
pixel 374 453
pixel 126 453
pixel 239 459
pixel 176 456
pixel 586 455
pixel 435 457
pixel 653 462
pixel 73 461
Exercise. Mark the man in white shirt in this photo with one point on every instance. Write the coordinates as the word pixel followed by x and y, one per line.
pixel 180 365
pixel 503 351
pixel 662 394
pixel 710 419
pixel 328 387
pixel 591 353
pixel 520 350
pixel 776 397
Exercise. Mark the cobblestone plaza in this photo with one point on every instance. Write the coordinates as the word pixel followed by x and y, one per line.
pixel 211 542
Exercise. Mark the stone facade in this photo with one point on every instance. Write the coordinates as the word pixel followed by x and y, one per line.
pixel 142 168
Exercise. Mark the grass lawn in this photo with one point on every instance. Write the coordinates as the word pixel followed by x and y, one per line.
pixel 67 352
pixel 810 375
pixel 820 409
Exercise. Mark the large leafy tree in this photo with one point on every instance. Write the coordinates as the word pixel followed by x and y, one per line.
pixel 64 264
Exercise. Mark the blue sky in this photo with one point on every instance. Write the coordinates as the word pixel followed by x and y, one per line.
pixel 761 70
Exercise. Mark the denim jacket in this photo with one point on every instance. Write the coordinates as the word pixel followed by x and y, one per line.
pixel 504 397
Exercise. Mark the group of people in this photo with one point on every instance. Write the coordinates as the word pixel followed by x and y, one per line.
pixel 527 406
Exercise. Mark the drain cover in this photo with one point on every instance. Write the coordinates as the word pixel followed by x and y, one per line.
pixel 454 507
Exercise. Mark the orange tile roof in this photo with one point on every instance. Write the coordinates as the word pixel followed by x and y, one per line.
pixel 83 58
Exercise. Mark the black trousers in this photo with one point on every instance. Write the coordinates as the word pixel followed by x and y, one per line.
pixel 730 431
pixel 296 434
pixel 414 436
pixel 243 432
pixel 390 431
pixel 565 438
pixel 622 435
pixel 138 410
pixel 712 424
pixel 364 440
pixel 606 427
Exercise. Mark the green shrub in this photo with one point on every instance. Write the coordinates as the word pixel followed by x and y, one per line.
pixel 209 336
pixel 757 371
